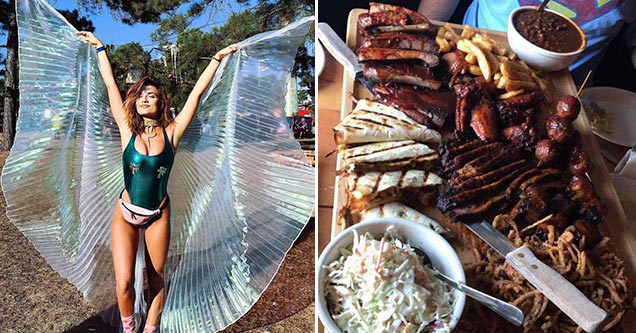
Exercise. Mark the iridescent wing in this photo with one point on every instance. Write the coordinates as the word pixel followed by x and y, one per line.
pixel 242 188
pixel 241 192
pixel 63 173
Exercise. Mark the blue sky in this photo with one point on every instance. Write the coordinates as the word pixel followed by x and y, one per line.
pixel 112 31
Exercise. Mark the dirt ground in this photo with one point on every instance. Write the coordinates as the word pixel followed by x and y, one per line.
pixel 35 298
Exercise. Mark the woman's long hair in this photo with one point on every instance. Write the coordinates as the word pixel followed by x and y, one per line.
pixel 135 121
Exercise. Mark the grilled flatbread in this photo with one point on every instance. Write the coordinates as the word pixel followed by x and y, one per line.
pixel 375 122
pixel 389 156
pixel 398 209
pixel 372 189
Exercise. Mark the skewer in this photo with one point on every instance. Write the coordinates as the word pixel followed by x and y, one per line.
pixel 536 223
pixel 583 85
pixel 354 99
pixel 588 176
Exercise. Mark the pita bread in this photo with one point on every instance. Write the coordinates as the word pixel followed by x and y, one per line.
pixel 398 209
pixel 375 122
pixel 389 156
pixel 372 189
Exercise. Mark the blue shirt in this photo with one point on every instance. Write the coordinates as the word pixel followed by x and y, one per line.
pixel 601 20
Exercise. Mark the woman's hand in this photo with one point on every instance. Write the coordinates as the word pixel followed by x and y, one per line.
pixel 88 38
pixel 228 50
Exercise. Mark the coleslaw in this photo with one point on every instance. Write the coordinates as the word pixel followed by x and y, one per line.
pixel 383 286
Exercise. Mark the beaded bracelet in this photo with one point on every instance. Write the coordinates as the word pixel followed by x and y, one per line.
pixel 217 59
pixel 101 48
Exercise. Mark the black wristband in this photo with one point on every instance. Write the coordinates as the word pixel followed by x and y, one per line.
pixel 217 59
pixel 101 48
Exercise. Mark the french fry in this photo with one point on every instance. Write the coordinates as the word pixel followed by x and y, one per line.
pixel 467 46
pixel 441 31
pixel 512 85
pixel 471 59
pixel 443 44
pixel 501 84
pixel 492 61
pixel 515 71
pixel 483 44
pixel 496 77
pixel 467 32
pixel 510 94
pixel 539 81
pixel 450 34
pixel 475 70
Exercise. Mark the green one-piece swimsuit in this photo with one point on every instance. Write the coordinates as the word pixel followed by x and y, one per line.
pixel 146 177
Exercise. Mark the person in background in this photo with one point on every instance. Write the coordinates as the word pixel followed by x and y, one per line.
pixel 602 22
pixel 606 23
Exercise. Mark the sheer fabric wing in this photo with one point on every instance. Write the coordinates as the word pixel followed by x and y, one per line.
pixel 62 176
pixel 241 190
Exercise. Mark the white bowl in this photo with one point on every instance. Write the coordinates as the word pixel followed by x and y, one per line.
pixel 536 56
pixel 441 254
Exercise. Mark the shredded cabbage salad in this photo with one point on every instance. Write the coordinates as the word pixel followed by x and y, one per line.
pixel 383 286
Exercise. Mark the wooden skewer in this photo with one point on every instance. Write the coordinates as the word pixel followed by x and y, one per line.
pixel 536 223
pixel 354 99
pixel 588 176
pixel 583 85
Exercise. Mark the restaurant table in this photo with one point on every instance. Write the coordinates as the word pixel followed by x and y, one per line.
pixel 329 108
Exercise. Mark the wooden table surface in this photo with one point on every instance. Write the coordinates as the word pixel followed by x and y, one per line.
pixel 329 109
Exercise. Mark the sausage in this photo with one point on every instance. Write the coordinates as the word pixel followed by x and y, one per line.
pixel 579 162
pixel 580 189
pixel 568 107
pixel 593 211
pixel 548 152
pixel 559 129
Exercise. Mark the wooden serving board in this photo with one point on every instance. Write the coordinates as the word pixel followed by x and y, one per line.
pixel 559 83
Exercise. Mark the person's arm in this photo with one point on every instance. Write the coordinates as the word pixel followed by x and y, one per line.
pixel 114 96
pixel 440 10
pixel 183 119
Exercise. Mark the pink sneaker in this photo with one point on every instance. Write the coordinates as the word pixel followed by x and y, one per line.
pixel 130 324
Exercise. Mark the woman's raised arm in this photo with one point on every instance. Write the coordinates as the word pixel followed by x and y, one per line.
pixel 114 96
pixel 184 117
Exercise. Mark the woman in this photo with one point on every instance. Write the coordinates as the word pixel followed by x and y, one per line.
pixel 147 161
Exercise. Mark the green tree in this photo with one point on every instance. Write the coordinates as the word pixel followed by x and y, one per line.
pixel 197 46
pixel 79 22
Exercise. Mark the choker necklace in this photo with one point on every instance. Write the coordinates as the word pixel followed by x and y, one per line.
pixel 149 124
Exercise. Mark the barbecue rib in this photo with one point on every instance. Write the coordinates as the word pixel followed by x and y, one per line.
pixel 426 107
pixel 370 20
pixel 414 17
pixel 376 53
pixel 401 72
pixel 401 40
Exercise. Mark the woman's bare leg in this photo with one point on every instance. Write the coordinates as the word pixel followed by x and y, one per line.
pixel 125 239
pixel 157 244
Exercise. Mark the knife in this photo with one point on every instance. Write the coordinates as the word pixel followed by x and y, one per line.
pixel 552 284
pixel 342 53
